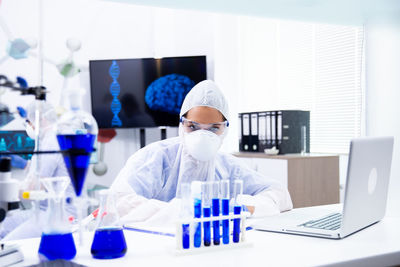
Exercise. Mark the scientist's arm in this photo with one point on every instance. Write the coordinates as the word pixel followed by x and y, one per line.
pixel 262 195
pixel 137 183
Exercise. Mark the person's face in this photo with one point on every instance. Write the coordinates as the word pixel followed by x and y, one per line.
pixel 204 115
pixel 205 118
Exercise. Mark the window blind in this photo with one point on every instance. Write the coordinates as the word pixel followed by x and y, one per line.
pixel 315 67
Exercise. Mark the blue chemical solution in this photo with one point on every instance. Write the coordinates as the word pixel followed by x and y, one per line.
pixel 77 164
pixel 185 236
pixel 197 214
pixel 225 223
pixel 215 211
pixel 207 227
pixel 108 243
pixel 236 224
pixel 57 246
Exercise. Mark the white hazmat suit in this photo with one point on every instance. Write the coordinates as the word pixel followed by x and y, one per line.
pixel 152 176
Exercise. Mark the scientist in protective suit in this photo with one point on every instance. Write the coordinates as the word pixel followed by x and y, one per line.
pixel 148 186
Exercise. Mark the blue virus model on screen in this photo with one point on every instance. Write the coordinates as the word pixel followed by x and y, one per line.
pixel 167 93
pixel 144 92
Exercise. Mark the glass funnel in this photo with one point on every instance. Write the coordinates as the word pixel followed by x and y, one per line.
pixel 76 134
pixel 57 241
pixel 109 240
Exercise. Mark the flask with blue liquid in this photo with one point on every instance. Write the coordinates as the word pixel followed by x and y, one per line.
pixel 57 241
pixel 109 240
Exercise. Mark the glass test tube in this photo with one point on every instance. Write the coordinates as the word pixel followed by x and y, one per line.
pixel 206 200
pixel 216 212
pixel 185 213
pixel 237 208
pixel 196 195
pixel 225 210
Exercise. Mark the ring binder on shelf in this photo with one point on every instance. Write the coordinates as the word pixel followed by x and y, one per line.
pixel 262 138
pixel 282 129
pixel 254 132
pixel 246 132
pixel 273 129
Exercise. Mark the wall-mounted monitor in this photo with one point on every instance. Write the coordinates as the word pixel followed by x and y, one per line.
pixel 16 141
pixel 142 92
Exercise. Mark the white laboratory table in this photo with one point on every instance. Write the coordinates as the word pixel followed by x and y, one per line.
pixel 377 245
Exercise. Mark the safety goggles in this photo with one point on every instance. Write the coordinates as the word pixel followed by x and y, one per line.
pixel 190 126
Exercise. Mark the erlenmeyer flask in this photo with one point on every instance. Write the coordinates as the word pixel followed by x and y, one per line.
pixel 57 241
pixel 109 240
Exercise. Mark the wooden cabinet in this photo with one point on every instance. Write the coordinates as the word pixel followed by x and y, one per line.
pixel 311 179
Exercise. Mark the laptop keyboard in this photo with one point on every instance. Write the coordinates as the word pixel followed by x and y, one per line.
pixel 330 222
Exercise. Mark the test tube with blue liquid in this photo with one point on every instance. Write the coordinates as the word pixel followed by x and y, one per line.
pixel 196 195
pixel 225 210
pixel 237 208
pixel 186 213
pixel 216 212
pixel 206 200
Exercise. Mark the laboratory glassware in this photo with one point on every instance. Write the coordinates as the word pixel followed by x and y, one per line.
pixel 109 240
pixel 237 208
pixel 76 135
pixel 206 201
pixel 186 213
pixel 216 212
pixel 225 210
pixel 196 195
pixel 57 241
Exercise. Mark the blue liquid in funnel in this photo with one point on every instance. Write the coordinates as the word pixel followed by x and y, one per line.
pixel 108 243
pixel 57 246
pixel 77 165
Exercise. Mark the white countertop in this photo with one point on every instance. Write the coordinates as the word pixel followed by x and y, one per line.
pixel 376 245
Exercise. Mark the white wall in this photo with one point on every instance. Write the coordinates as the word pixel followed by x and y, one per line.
pixel 116 30
pixel 383 92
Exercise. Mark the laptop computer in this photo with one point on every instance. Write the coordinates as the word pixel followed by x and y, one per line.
pixel 365 198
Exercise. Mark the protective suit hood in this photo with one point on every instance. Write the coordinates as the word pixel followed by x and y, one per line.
pixel 205 94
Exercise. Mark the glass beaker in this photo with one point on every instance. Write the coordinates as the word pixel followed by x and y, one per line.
pixel 109 240
pixel 57 241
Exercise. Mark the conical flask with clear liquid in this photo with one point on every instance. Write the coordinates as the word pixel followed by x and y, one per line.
pixel 57 241
pixel 109 240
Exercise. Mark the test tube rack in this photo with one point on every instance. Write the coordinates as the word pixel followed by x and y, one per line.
pixel 193 250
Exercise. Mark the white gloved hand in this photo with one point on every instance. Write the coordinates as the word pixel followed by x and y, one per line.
pixel 144 211
pixel 167 216
pixel 262 203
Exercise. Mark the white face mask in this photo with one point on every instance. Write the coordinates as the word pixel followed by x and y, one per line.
pixel 202 144
pixel 30 131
